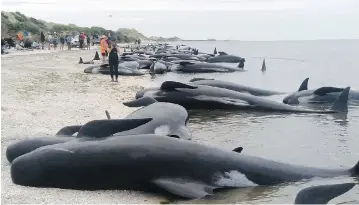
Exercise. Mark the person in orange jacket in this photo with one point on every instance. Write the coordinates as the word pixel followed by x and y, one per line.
pixel 103 48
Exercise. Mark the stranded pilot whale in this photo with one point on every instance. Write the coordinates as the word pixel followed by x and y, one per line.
pixel 145 162
pixel 322 94
pixel 27 145
pixel 203 67
pixel 171 121
pixel 193 96
pixel 234 87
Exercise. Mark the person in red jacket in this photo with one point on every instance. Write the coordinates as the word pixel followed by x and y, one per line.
pixel 81 40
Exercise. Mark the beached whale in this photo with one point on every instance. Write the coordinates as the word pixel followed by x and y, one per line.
pixel 92 129
pixel 203 67
pixel 171 121
pixel 319 95
pixel 225 59
pixel 193 96
pixel 234 87
pixel 322 194
pixel 148 162
pixel 105 69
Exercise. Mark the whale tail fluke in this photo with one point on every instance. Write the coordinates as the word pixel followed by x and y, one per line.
pixel 322 194
pixel 81 61
pixel 304 85
pixel 143 101
pixel 341 104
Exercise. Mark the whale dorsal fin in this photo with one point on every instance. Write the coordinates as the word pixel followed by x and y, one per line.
pixel 221 53
pixel 238 149
pixel 322 194
pixel 304 85
pixel 172 85
pixel 81 61
pixel 106 128
pixel 185 188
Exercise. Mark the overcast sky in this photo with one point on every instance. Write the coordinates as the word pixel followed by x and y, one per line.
pixel 202 19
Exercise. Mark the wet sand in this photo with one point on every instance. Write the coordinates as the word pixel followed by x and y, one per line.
pixel 41 93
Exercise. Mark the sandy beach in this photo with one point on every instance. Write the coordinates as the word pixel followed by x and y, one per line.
pixel 41 93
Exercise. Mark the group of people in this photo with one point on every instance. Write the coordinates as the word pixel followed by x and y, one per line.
pixel 107 48
pixel 65 39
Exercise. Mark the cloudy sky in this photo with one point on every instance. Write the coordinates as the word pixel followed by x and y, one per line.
pixel 202 19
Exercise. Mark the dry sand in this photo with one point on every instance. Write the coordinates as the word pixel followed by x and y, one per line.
pixel 41 93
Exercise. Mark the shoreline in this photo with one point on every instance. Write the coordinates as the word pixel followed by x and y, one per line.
pixel 45 92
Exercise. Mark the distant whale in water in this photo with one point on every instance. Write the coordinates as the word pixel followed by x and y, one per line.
pixel 146 162
pixel 319 95
pixel 193 96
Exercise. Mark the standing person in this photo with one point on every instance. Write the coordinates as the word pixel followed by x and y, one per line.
pixel 42 38
pixel 103 48
pixel 68 40
pixel 88 40
pixel 62 41
pixel 55 40
pixel 49 40
pixel 81 40
pixel 113 61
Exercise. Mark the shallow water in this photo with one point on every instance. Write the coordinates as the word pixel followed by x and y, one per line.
pixel 306 139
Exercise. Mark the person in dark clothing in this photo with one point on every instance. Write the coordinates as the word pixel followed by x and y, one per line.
pixel 113 61
pixel 42 38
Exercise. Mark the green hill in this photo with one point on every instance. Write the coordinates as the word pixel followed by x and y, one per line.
pixel 13 22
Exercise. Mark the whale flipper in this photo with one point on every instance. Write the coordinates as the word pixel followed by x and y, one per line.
pixel 69 130
pixel 105 128
pixel 238 149
pixel 341 104
pixel 172 85
pixel 198 79
pixel 143 101
pixel 304 85
pixel 322 194
pixel 185 188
